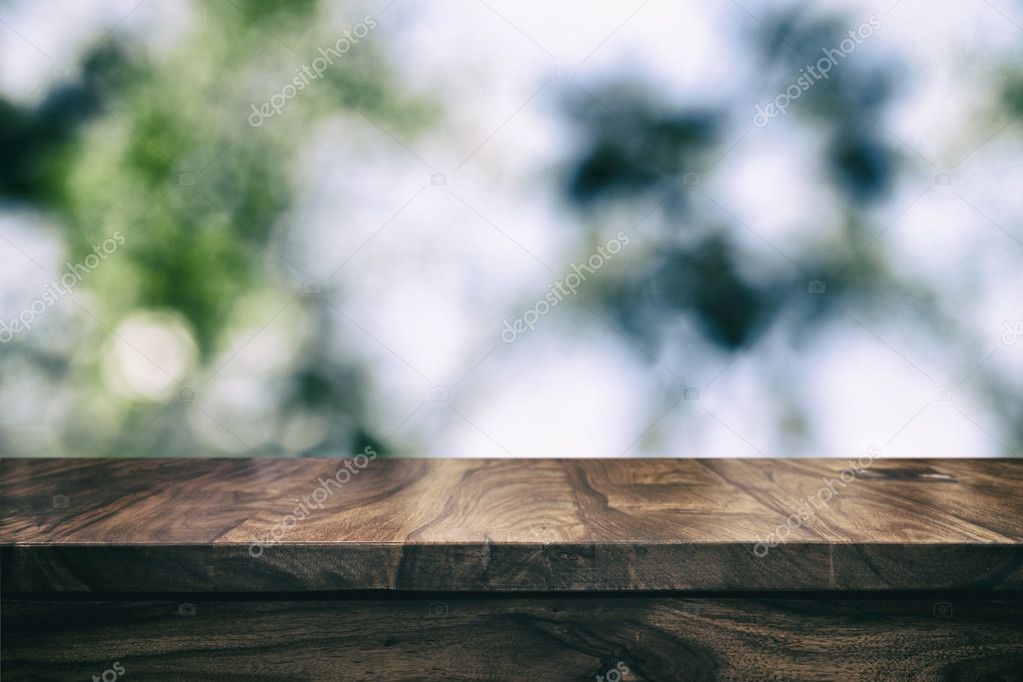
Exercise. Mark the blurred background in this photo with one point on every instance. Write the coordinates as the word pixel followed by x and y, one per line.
pixel 493 228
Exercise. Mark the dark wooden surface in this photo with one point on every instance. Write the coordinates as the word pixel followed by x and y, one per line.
pixel 529 637
pixel 511 569
pixel 493 525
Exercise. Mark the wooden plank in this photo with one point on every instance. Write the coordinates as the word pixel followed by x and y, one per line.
pixel 530 637
pixel 494 525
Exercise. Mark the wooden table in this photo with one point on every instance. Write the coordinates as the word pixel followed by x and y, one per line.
pixel 631 569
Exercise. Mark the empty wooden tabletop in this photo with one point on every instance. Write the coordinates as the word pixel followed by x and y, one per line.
pixel 157 525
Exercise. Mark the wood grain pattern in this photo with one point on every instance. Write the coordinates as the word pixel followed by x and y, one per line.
pixel 474 637
pixel 494 525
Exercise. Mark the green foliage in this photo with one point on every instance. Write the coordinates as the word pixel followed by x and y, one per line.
pixel 158 147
